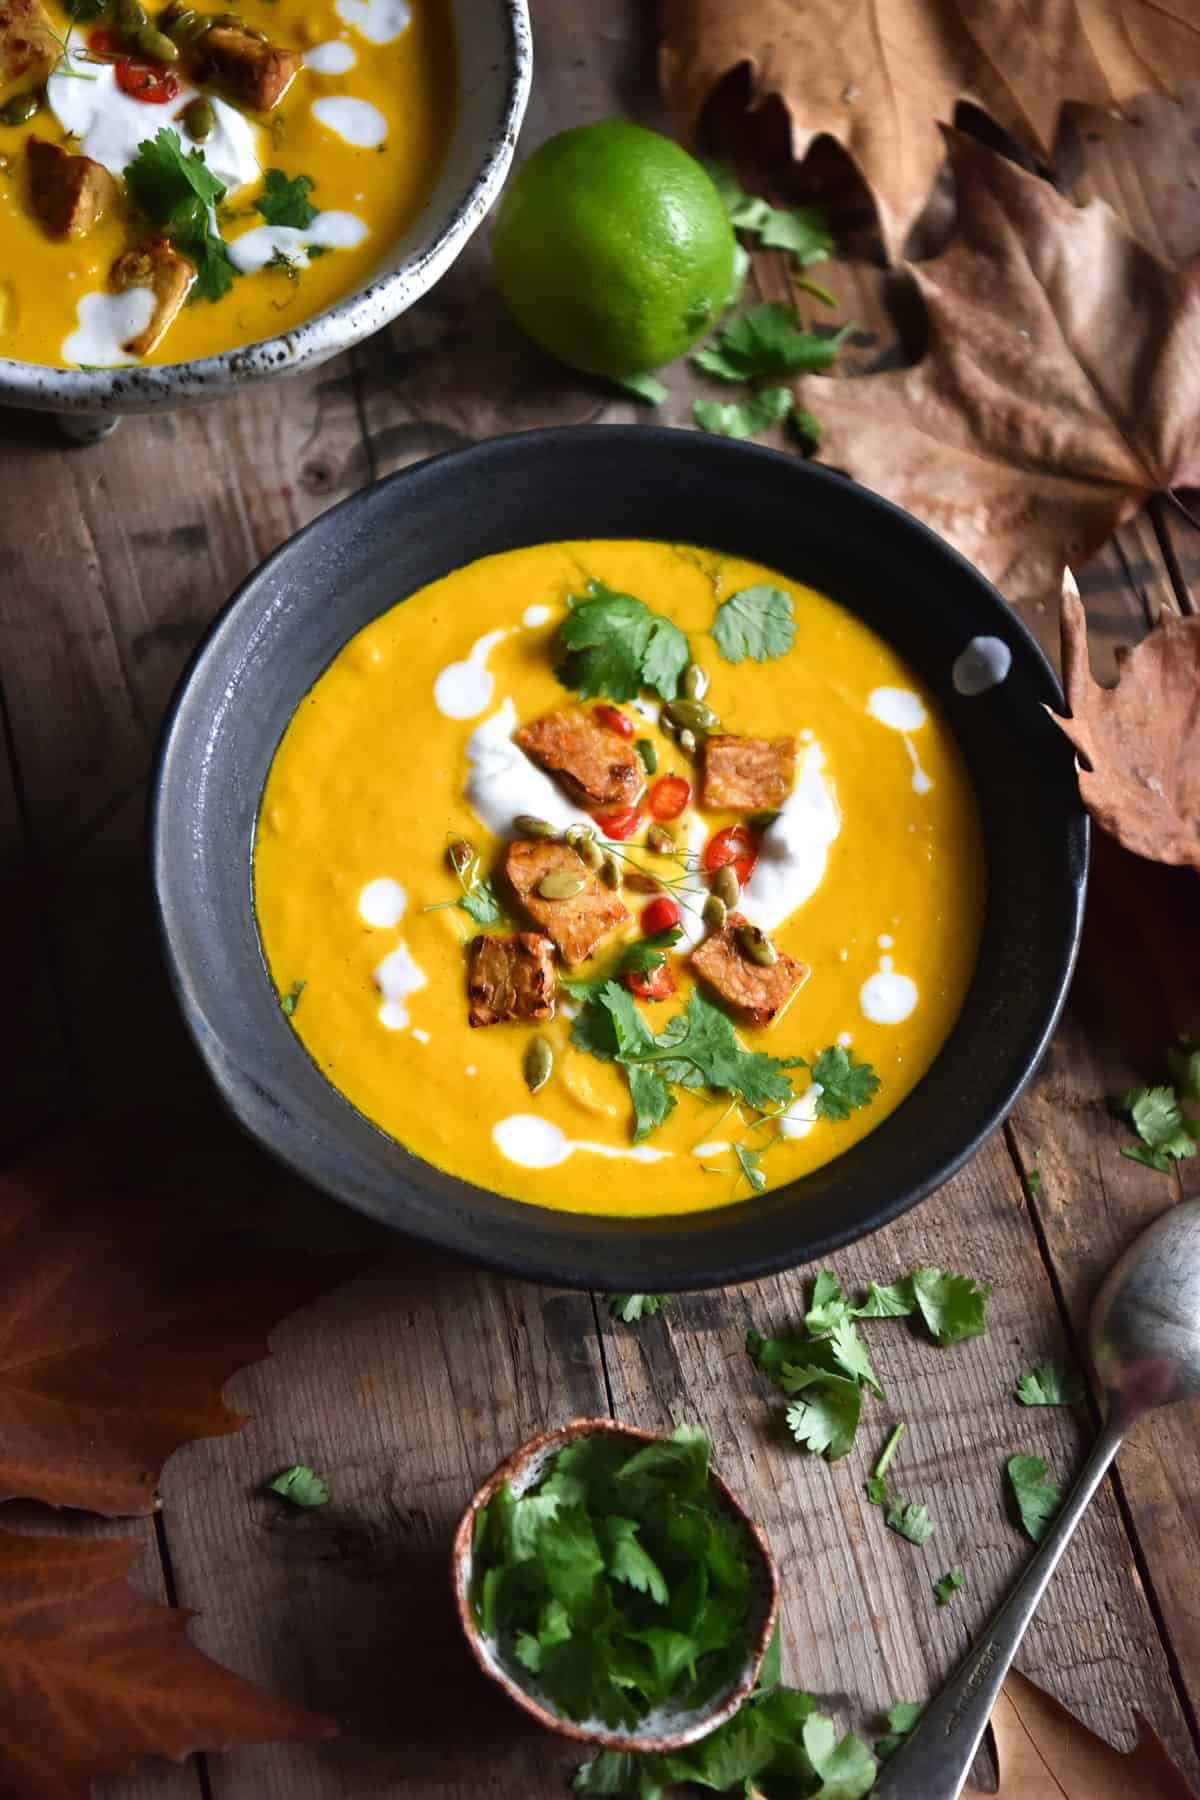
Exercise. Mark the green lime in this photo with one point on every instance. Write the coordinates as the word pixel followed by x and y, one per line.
pixel 613 248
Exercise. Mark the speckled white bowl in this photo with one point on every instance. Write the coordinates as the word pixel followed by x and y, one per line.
pixel 495 67
pixel 666 1728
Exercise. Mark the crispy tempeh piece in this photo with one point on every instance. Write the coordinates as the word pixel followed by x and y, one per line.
pixel 68 193
pixel 155 265
pixel 761 994
pixel 510 978
pixel 596 766
pixel 25 40
pixel 254 73
pixel 578 922
pixel 744 774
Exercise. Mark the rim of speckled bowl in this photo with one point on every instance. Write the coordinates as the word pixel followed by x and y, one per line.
pixel 141 388
pixel 520 1469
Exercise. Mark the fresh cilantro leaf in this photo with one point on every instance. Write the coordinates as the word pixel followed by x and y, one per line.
pixel 1159 1122
pixel 824 1416
pixel 876 1490
pixel 615 645
pixel 950 1583
pixel 804 230
pixel 625 1559
pixel 300 1485
pixel 952 1306
pixel 290 1001
pixel 638 958
pixel 806 426
pixel 850 1353
pixel 647 755
pixel 618 1772
pixel 1183 1062
pixel 677 1464
pixel 482 903
pixel 911 1520
pixel 283 264
pixel 901 1721
pixel 845 1766
pixel 767 340
pixel 892 1301
pixel 828 1305
pixel 757 622
pixel 632 1307
pixel 284 200
pixel 646 388
pixel 845 1084
pixel 744 418
pixel 886 1455
pixel 748 1161
pixel 175 193
pixel 1036 1497
pixel 770 1354
pixel 528 1651
pixel 1033 1181
pixel 697 1049
pixel 1049 1384
pixel 771 1672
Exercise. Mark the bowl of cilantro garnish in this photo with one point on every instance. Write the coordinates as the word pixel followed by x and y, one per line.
pixel 612 1584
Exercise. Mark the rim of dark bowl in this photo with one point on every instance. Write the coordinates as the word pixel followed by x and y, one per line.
pixel 913 1151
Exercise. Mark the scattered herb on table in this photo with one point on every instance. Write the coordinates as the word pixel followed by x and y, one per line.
pixel 614 646
pixel 1033 1181
pixel 768 340
pixel 175 193
pixel 301 1485
pixel 953 1307
pixel 1036 1497
pixel 1165 1133
pixel 910 1520
pixel 757 622
pixel 1049 1384
pixel 617 1580
pixel 807 427
pixel 802 230
pixel 284 200
pixel 632 1307
pixel 876 1488
pixel 744 418
pixel 949 1584
pixel 288 1002
pixel 646 388
pixel 901 1721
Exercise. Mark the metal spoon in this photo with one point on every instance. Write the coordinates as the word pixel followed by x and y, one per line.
pixel 1145 1344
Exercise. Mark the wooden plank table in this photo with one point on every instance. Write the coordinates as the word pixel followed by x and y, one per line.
pixel 405 1387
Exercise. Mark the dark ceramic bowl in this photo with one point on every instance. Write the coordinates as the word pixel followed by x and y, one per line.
pixel 291 618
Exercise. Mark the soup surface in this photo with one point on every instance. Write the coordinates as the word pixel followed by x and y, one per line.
pixel 287 154
pixel 823 797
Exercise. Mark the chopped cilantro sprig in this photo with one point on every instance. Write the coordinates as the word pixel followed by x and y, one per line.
pixel 768 340
pixel 614 646
pixel 284 200
pixel 176 194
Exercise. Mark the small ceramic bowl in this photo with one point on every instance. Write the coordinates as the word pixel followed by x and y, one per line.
pixel 665 1728
pixel 495 68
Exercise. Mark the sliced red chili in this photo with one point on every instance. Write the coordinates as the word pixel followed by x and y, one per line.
pixel 668 797
pixel 621 824
pixel 660 915
pixel 146 81
pixel 657 984
pixel 736 844
pixel 103 42
pixel 613 719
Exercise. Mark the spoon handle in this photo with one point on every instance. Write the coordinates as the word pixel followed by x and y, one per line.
pixel 937 1758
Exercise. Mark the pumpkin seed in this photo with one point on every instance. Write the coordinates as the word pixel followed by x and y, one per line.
pixel 715 912
pixel 659 839
pixel 640 883
pixel 691 715
pixel 560 884
pixel 532 827
pixel 667 726
pixel 20 109
pixel 610 871
pixel 130 17
pixel 757 946
pixel 726 886
pixel 589 852
pixel 687 742
pixel 459 855
pixel 155 44
pixel 199 119
pixel 695 682
pixel 185 26
pixel 539 1061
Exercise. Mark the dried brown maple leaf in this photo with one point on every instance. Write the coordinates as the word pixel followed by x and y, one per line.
pixel 1139 741
pixel 93 1677
pixel 876 75
pixel 1045 1753
pixel 121 1318
pixel 1060 388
